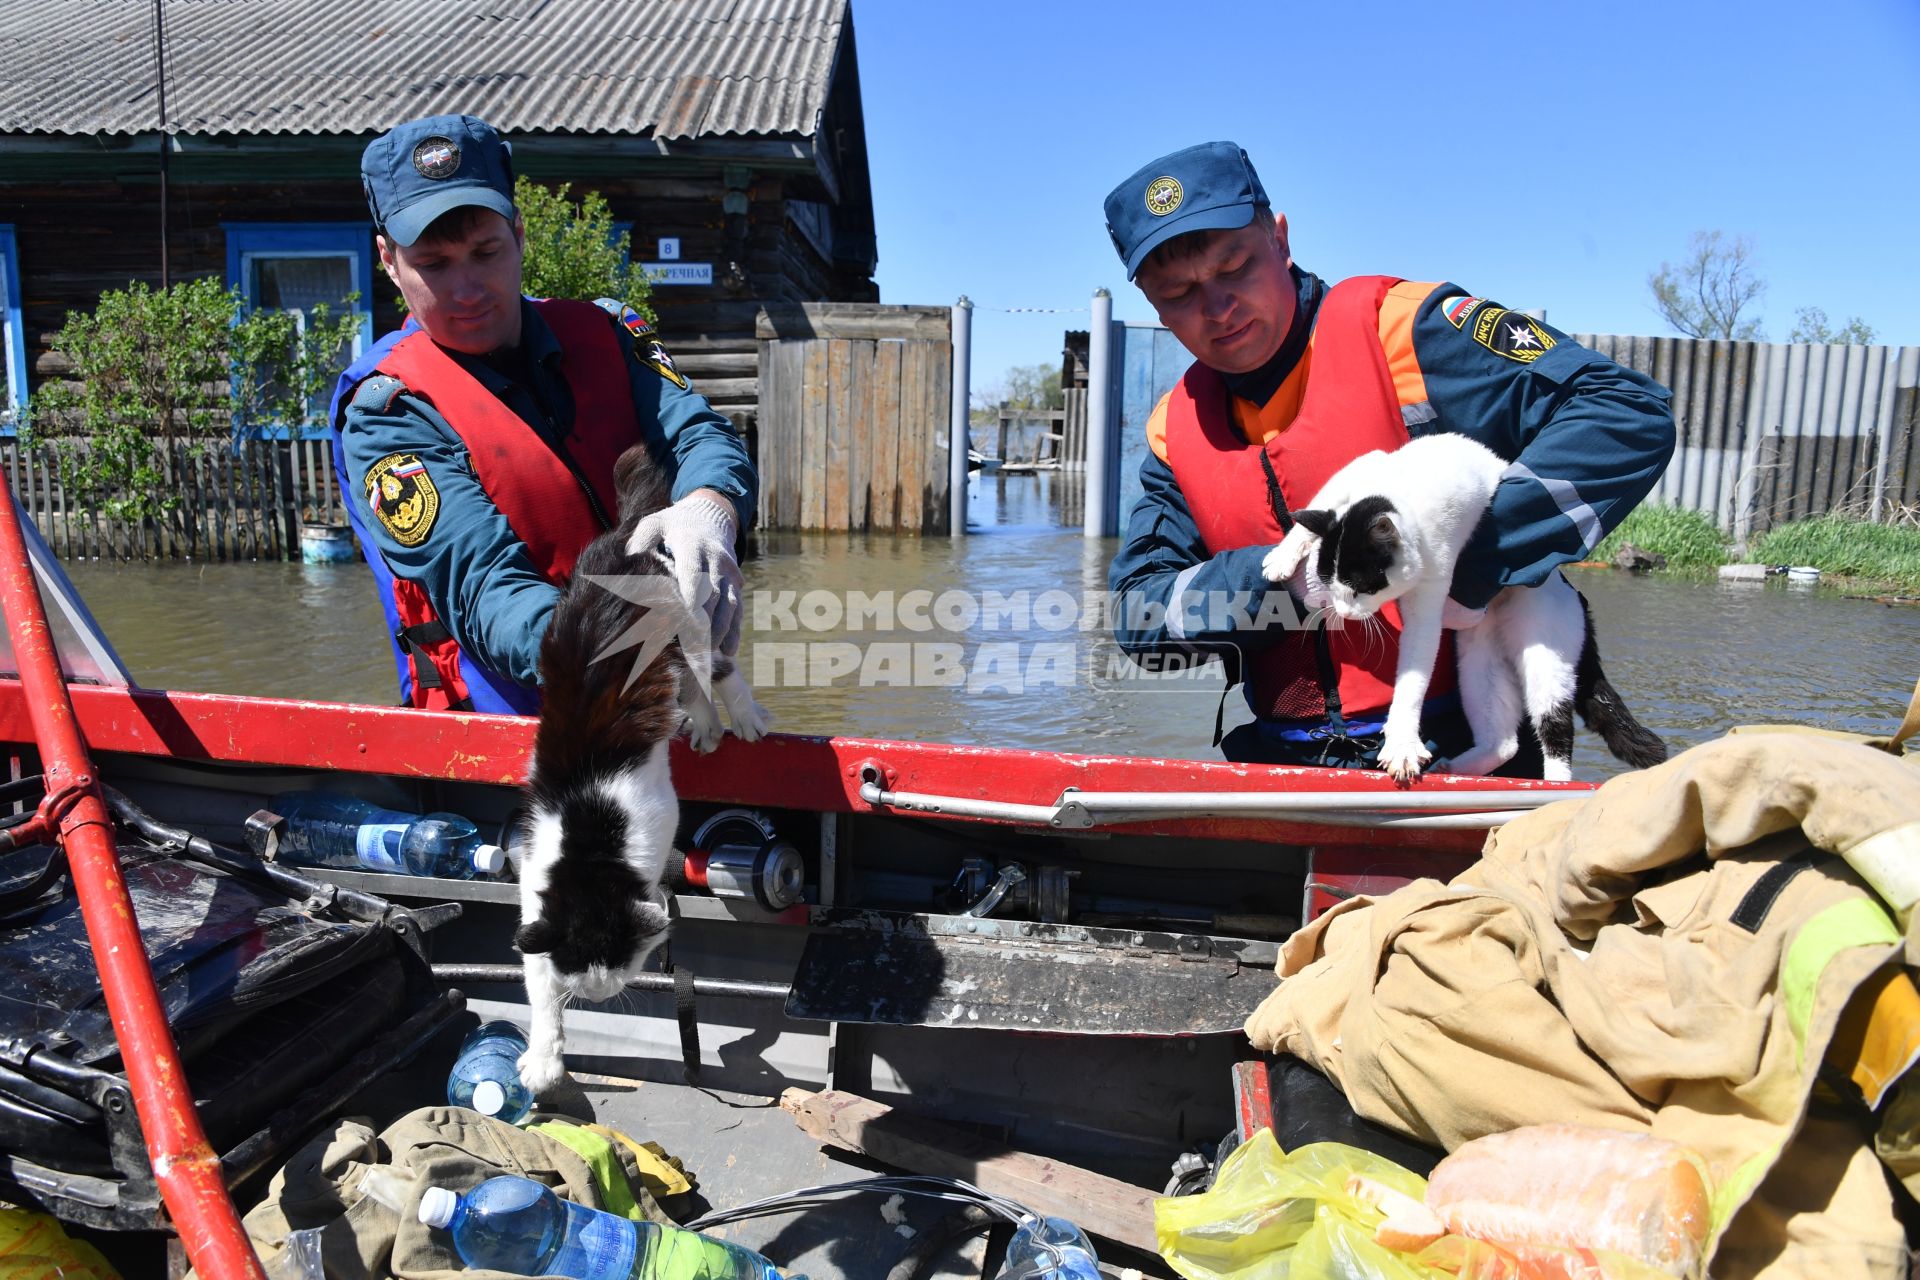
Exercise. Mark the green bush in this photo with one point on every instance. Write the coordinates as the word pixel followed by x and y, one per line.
pixel 1688 539
pixel 572 251
pixel 157 368
pixel 1851 548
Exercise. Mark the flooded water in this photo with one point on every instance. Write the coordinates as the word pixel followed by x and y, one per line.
pixel 999 639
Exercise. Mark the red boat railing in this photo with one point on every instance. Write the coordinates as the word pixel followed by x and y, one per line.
pixel 185 1165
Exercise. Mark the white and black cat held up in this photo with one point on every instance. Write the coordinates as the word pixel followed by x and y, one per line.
pixel 1391 526
pixel 600 811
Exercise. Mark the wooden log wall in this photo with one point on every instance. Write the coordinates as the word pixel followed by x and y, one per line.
pixel 247 504
pixel 853 418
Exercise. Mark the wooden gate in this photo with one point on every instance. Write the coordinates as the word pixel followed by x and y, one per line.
pixel 855 404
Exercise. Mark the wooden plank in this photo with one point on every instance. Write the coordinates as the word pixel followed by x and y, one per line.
pixel 780 434
pixel 853 320
pixel 839 431
pixel 913 454
pixel 813 436
pixel 883 501
pixel 860 423
pixel 939 425
pixel 1102 1206
pixel 222 463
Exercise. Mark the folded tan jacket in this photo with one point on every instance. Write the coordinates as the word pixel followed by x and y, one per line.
pixel 1671 954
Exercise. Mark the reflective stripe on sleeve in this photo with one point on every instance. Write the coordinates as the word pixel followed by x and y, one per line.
pixel 1176 629
pixel 1568 499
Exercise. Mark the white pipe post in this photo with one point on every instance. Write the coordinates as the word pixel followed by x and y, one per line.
pixel 958 437
pixel 1100 449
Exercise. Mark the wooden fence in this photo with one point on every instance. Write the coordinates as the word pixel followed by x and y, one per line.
pixel 854 403
pixel 244 504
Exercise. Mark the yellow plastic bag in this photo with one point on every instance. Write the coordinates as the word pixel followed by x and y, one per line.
pixel 34 1247
pixel 1272 1216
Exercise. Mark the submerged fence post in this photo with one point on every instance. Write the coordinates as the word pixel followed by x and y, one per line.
pixel 1100 450
pixel 958 440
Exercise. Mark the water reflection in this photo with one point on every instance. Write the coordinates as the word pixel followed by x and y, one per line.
pixel 1005 644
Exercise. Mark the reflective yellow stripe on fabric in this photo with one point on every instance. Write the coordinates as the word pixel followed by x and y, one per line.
pixel 608 1175
pixel 1857 922
pixel 660 1173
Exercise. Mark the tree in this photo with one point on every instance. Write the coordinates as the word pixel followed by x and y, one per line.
pixel 1707 294
pixel 1810 325
pixel 1034 386
pixel 573 250
pixel 156 370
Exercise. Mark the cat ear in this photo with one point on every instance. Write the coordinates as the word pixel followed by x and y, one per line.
pixel 1383 531
pixel 653 917
pixel 1317 522
pixel 534 939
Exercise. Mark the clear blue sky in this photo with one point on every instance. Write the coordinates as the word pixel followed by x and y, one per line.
pixel 1542 155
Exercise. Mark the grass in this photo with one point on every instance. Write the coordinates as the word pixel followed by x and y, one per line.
pixel 1838 546
pixel 1688 539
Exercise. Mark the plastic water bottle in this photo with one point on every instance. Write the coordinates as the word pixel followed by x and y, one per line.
pixel 1050 1249
pixel 329 830
pixel 486 1075
pixel 518 1226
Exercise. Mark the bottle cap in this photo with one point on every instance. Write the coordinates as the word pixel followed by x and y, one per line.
pixel 488 859
pixel 437 1205
pixel 489 1099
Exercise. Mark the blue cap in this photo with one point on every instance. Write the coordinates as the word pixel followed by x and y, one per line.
pixel 1211 187
pixel 416 171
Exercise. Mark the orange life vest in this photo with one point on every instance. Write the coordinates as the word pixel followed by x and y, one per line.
pixel 1349 408
pixel 555 504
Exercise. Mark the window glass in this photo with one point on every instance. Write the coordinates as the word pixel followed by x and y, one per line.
pixel 296 267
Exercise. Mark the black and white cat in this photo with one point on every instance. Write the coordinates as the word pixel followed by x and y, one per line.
pixel 1391 526
pixel 599 810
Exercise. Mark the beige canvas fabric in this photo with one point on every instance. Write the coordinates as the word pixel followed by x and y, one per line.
pixel 435 1146
pixel 1588 969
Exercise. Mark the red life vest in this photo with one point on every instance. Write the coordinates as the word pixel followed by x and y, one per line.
pixel 550 506
pixel 1349 408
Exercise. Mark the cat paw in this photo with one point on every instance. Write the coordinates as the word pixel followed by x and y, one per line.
pixel 704 730
pixel 1280 563
pixel 750 721
pixel 1404 760
pixel 541 1069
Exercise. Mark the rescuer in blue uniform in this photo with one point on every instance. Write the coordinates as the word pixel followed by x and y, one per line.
pixel 1290 368
pixel 474 479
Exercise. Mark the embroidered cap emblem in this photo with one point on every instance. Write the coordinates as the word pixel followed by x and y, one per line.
pixel 1164 196
pixel 437 158
pixel 402 497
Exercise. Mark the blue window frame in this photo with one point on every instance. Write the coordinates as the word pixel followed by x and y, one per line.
pixel 292 266
pixel 13 338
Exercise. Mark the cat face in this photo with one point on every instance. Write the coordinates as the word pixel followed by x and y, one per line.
pixel 591 902
pixel 1362 556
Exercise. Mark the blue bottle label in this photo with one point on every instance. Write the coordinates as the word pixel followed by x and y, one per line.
pixel 598 1246
pixel 377 847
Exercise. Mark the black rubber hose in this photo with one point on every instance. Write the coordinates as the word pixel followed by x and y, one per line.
pixel 924 1250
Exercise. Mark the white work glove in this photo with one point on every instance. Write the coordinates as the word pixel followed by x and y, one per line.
pixel 1306 587
pixel 696 535
pixel 1457 617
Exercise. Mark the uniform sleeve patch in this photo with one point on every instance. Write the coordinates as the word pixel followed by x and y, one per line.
pixel 1511 334
pixel 660 362
pixel 402 497
pixel 635 323
pixel 378 393
pixel 1457 308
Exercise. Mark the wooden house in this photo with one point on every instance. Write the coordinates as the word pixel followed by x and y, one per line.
pixel 186 138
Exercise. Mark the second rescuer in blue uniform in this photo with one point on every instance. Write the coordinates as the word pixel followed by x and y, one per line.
pixel 1586 437
pixel 476 478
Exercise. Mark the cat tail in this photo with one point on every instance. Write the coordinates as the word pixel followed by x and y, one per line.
pixel 1604 712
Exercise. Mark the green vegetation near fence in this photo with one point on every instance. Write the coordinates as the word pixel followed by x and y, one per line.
pixel 1869 554
pixel 1850 548
pixel 1688 539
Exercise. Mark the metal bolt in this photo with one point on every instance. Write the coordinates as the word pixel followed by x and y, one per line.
pixel 1139 939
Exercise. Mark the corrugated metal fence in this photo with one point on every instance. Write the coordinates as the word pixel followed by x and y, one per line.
pixel 1771 432
pixel 229 504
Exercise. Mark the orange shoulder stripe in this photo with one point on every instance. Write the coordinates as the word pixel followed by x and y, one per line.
pixel 1397 310
pixel 1157 428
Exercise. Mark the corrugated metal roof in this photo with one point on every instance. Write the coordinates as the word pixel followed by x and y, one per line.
pixel 673 69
